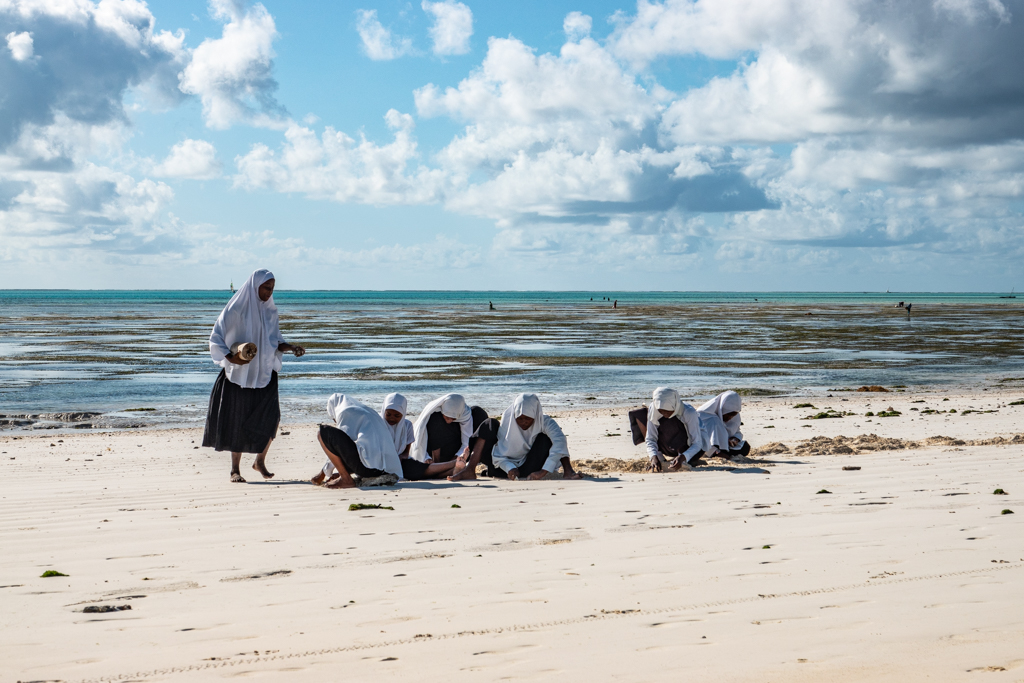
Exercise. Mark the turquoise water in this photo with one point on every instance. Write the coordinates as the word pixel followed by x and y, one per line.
pixel 401 297
pixel 111 351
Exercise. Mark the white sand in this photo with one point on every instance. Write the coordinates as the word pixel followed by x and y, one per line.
pixel 907 571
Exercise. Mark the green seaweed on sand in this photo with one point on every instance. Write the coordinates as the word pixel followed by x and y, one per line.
pixel 1006 512
pixel 968 412
pixel 49 573
pixel 889 413
pixel 1017 403
pixel 456 505
pixel 827 414
pixel 765 547
pixel 824 491
pixel 1000 492
pixel 368 506
pixel 804 405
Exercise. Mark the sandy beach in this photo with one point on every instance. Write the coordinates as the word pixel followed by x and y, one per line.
pixel 787 568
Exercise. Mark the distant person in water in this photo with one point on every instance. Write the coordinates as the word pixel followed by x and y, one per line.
pixel 720 423
pixel 671 430
pixel 244 411
pixel 360 446
pixel 441 432
pixel 525 444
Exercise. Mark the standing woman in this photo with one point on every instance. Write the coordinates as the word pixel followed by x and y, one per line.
pixel 244 410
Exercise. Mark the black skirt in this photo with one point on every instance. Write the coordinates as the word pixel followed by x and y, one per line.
pixel 342 445
pixel 241 420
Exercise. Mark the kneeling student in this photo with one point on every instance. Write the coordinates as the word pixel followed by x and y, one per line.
pixel 442 430
pixel 393 411
pixel 361 445
pixel 526 444
pixel 720 422
pixel 671 430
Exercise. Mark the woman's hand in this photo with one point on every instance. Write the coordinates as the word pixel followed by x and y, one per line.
pixel 292 348
pixel 654 466
pixel 232 358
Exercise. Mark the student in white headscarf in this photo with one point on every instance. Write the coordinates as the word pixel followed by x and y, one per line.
pixel 671 430
pixel 720 423
pixel 393 412
pixel 244 411
pixel 360 446
pixel 441 432
pixel 525 444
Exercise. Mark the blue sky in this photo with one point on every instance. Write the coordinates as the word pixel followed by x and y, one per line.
pixel 727 144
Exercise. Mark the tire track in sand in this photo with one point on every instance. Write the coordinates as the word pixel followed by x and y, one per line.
pixel 602 616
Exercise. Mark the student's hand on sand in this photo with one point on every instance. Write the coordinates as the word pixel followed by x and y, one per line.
pixel 232 358
pixel 538 475
pixel 733 442
pixel 513 474
pixel 655 465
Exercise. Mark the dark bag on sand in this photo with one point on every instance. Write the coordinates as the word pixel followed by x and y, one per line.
pixel 635 418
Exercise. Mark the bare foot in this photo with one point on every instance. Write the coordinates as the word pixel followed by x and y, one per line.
pixel 262 469
pixel 236 478
pixel 318 480
pixel 339 483
pixel 571 474
pixel 463 471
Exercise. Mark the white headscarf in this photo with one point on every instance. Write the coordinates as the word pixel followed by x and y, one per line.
pixel 664 399
pixel 514 443
pixel 718 431
pixel 401 432
pixel 368 430
pixel 247 319
pixel 449 405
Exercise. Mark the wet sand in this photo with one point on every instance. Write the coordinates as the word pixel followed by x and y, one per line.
pixel 905 570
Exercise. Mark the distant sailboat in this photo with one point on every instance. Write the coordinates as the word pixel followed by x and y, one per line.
pixel 1011 295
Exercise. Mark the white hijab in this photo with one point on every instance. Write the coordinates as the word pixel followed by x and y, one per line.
pixel 247 319
pixel 664 399
pixel 725 402
pixel 514 443
pixel 368 430
pixel 401 432
pixel 449 405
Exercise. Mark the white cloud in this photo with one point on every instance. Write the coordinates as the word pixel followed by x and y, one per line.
pixel 232 74
pixel 378 41
pixel 20 45
pixel 339 168
pixel 452 27
pixel 195 159
pixel 577 25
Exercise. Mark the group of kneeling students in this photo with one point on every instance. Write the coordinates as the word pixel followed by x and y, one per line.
pixel 451 440
pixel 448 440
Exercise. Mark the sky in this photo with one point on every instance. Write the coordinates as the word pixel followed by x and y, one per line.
pixel 662 145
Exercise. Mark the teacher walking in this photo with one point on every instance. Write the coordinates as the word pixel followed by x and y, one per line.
pixel 244 410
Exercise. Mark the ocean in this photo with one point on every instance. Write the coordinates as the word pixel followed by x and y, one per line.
pixel 140 358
